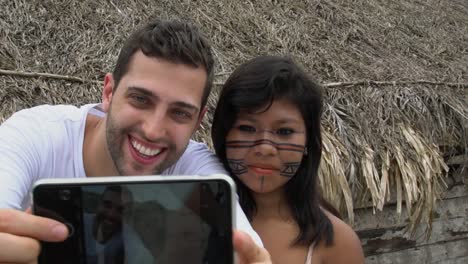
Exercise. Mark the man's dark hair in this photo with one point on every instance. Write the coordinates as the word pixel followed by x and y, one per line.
pixel 120 190
pixel 174 41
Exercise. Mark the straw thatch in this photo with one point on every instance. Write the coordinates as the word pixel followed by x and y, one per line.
pixel 395 75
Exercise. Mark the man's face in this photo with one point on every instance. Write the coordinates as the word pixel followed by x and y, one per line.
pixel 110 212
pixel 152 114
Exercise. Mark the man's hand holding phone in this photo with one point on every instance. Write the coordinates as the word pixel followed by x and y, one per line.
pixel 20 233
pixel 106 214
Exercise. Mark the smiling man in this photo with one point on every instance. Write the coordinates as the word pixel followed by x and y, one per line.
pixel 151 115
pixel 152 103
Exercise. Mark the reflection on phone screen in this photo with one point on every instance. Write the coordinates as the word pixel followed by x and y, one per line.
pixel 187 222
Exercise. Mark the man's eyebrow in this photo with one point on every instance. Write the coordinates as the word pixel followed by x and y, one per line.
pixel 147 92
pixel 188 106
pixel 141 90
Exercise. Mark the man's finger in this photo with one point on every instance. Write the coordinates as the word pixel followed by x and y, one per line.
pixel 247 251
pixel 23 224
pixel 17 249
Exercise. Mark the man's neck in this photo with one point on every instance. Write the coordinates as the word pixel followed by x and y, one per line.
pixel 96 158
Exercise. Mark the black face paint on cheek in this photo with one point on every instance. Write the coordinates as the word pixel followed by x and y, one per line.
pixel 251 143
pixel 237 166
pixel 290 168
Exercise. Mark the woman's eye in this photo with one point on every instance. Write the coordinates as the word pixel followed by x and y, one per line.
pixel 284 131
pixel 246 128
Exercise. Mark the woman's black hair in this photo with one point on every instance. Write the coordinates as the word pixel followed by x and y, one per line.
pixel 250 87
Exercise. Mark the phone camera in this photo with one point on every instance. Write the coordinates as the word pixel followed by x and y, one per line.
pixel 64 195
pixel 71 229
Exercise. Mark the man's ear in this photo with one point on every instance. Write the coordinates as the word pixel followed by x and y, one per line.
pixel 107 91
pixel 200 117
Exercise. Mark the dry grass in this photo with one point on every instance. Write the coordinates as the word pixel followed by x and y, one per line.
pixel 381 142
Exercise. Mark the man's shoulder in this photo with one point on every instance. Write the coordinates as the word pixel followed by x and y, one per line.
pixel 198 151
pixel 46 113
pixel 197 159
pixel 194 146
pixel 47 129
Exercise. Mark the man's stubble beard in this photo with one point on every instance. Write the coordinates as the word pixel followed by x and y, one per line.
pixel 115 137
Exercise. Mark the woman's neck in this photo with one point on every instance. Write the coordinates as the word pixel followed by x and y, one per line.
pixel 272 204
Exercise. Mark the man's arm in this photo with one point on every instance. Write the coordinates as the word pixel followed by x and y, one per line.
pixel 19 166
pixel 19 159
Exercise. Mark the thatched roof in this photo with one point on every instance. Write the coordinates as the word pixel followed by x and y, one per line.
pixel 384 140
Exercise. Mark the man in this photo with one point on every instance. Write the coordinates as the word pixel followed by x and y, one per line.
pixel 103 229
pixel 152 103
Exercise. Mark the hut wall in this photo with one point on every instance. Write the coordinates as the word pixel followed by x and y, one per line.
pixel 384 240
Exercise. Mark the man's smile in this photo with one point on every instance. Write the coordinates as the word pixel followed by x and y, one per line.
pixel 143 152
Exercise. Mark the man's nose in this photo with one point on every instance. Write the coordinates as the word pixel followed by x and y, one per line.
pixel 115 214
pixel 155 125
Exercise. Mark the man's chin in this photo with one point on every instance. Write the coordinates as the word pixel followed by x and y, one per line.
pixel 134 168
pixel 140 172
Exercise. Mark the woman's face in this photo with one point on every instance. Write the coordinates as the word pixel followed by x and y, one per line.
pixel 264 150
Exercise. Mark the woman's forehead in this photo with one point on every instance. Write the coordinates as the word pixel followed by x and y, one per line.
pixel 279 109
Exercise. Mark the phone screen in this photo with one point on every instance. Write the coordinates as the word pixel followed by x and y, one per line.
pixel 162 222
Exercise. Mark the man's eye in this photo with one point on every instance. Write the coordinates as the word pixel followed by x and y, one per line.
pixel 246 128
pixel 284 131
pixel 139 99
pixel 182 114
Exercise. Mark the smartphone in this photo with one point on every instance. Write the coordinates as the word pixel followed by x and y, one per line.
pixel 139 219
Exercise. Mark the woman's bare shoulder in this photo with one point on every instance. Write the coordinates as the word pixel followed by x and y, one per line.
pixel 346 247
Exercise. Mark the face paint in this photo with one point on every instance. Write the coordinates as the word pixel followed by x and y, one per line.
pixel 251 144
pixel 290 169
pixel 237 166
pixel 265 149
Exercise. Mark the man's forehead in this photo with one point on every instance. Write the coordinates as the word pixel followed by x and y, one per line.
pixel 166 79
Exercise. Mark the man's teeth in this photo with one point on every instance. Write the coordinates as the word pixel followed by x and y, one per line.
pixel 144 150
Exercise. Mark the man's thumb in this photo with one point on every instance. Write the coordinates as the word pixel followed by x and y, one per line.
pixel 247 251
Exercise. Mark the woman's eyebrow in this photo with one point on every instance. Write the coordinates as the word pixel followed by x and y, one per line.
pixel 287 120
pixel 247 118
pixel 253 119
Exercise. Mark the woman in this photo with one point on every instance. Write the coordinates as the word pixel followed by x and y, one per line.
pixel 266 130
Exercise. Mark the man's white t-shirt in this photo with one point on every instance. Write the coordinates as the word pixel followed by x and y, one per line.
pixel 47 142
